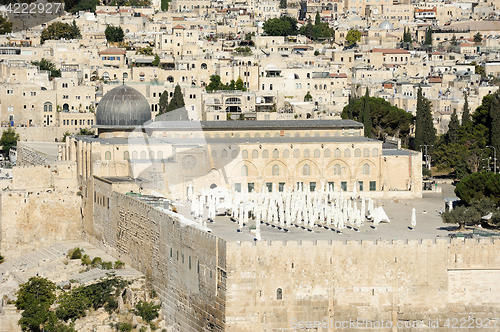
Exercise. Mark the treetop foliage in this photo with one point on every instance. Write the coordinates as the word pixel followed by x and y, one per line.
pixel 45 64
pixel 58 30
pixel 9 139
pixel 114 34
pixel 353 36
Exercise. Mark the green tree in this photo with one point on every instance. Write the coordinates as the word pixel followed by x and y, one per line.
pixel 9 139
pixel 317 19
pixel 478 69
pixel 177 100
pixel 425 133
pixel 148 50
pixel 164 5
pixel 367 119
pixel 1 259
pixel 353 36
pixel 215 83
pixel 453 126
pixel 465 111
pixel 283 4
pixel 35 298
pixel 240 85
pixel 479 185
pixel 495 121
pixel 163 102
pixel 478 38
pixel 407 36
pixel 461 215
pixel 386 119
pixel 5 25
pixel 454 40
pixel 114 34
pixel 147 310
pixel 86 132
pixel 47 65
pixel 58 30
pixel 283 26
pixel 308 97
pixel 156 61
pixel 428 37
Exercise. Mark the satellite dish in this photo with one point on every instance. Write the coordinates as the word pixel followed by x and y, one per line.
pixel 375 11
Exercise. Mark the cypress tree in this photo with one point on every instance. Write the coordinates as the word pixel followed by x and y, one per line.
pixel 453 126
pixel 317 19
pixel 495 121
pixel 465 112
pixel 163 102
pixel 425 133
pixel 367 119
pixel 177 100
pixel 350 109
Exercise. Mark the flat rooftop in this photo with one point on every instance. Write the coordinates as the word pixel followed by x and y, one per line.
pixel 50 149
pixel 429 223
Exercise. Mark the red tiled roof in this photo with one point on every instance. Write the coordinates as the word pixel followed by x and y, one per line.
pixel 178 26
pixel 435 80
pixel 113 50
pixel 338 75
pixel 389 51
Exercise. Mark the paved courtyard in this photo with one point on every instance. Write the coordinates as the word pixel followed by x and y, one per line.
pixel 429 223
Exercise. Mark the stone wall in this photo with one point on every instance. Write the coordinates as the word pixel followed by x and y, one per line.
pixel 30 157
pixel 187 266
pixel 340 281
pixel 31 219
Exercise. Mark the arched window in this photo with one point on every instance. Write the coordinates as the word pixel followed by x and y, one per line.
pixel 336 169
pixel 276 170
pixel 223 154
pixel 375 153
pixel 47 107
pixel 244 170
pixel 126 155
pixel 276 153
pixel 267 135
pixel 327 153
pixel 366 152
pixel 306 153
pixel 366 169
pixel 247 135
pixel 233 101
pixel 204 66
pixel 255 154
pixel 107 155
pixel 244 154
pixel 151 155
pixel 357 153
pixel 279 294
pixel 306 170
pixel 337 153
pixel 159 155
pixel 214 154
pixel 286 154
pixel 234 154
pixel 296 153
pixel 134 155
pixel 170 79
pixel 265 154
pixel 257 135
pixel 143 154
pixel 316 153
pixel 297 135
pixel 327 134
pixel 347 153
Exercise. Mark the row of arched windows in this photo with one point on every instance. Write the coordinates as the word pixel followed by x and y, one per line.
pixel 306 153
pixel 336 134
pixel 306 170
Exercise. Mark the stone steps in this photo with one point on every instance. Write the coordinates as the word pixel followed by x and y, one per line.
pixel 96 274
pixel 34 259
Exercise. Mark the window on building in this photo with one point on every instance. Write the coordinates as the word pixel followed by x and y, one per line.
pixel 337 153
pixel 375 153
pixel 265 154
pixel 126 155
pixel 316 153
pixel 366 169
pixel 357 153
pixel 281 187
pixel 237 187
pixel 276 170
pixel 107 155
pixel 337 170
pixel 327 153
pixel 343 185
pixel 373 185
pixel 223 154
pixel 279 294
pixel 306 170
pixel 276 153
pixel 269 186
pixel 306 153
pixel 360 183
pixel 251 187
pixel 366 152
pixel 244 154
pixel 255 154
pixel 296 153
pixel 347 153
pixel 286 153
pixel 331 186
pixel 244 170
pixel 312 186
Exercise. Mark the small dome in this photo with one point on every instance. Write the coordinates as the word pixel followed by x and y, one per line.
pixel 123 106
pixel 386 25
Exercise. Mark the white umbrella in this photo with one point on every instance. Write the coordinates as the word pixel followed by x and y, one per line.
pixel 413 219
pixel 363 209
pixel 376 217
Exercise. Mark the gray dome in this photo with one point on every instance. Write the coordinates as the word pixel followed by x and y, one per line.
pixel 123 106
pixel 386 25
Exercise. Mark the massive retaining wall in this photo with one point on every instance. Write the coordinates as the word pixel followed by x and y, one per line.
pixel 35 218
pixel 187 266
pixel 411 281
